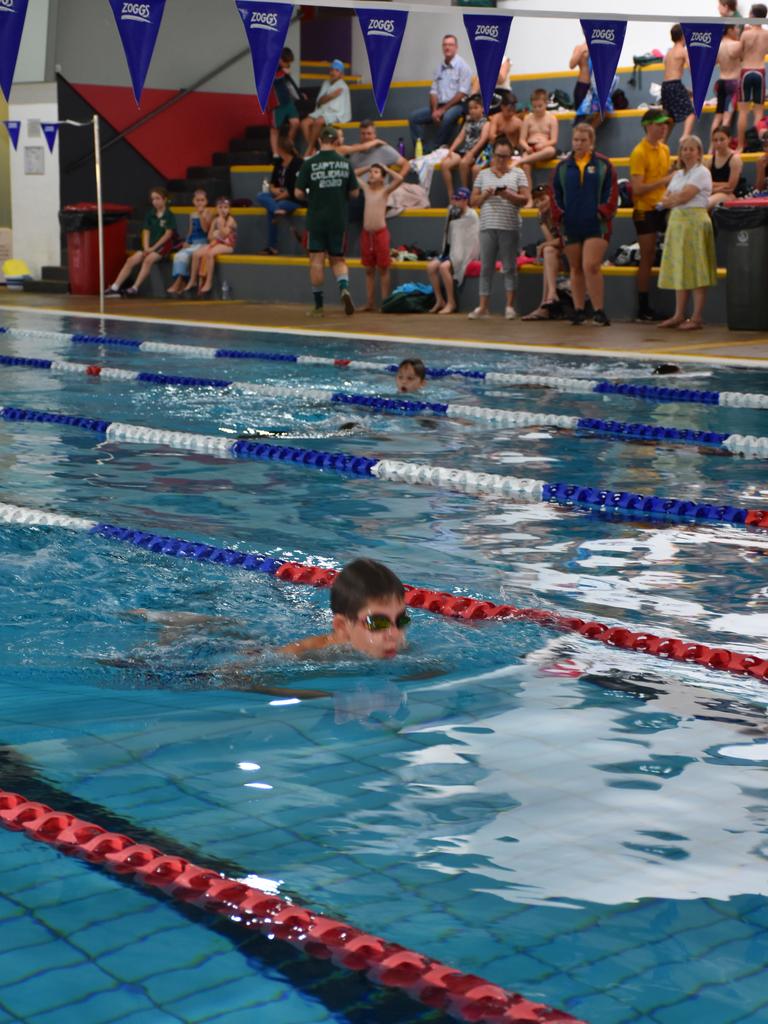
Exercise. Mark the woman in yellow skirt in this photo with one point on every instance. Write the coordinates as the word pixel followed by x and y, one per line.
pixel 688 263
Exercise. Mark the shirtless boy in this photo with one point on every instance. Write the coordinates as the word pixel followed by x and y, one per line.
pixel 507 122
pixel 369 614
pixel 674 96
pixel 580 59
pixel 754 47
pixel 538 136
pixel 727 85
pixel 377 183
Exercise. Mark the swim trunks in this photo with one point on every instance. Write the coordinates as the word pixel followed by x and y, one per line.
pixel 752 86
pixel 580 90
pixel 675 100
pixel 726 91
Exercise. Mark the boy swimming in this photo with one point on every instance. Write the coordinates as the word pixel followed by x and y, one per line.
pixel 411 376
pixel 369 616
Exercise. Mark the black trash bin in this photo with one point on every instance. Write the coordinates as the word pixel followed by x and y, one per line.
pixel 745 230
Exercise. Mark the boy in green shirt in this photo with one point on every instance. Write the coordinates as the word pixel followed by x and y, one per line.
pixel 326 181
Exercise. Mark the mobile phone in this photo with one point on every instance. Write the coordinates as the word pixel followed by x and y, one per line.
pixel 501 188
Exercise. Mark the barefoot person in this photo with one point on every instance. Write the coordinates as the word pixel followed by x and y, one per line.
pixel 688 263
pixel 727 85
pixel 326 181
pixel 754 48
pixel 674 95
pixel 461 245
pixel 538 136
pixel 377 183
pixel 725 166
pixel 580 60
pixel 550 252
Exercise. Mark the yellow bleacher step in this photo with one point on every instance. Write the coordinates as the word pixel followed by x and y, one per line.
pixel 430 212
pixel 302 262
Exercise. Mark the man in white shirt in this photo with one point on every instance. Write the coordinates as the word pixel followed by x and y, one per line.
pixel 447 97
pixel 334 106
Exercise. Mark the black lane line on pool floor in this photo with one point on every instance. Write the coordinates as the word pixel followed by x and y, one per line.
pixel 349 995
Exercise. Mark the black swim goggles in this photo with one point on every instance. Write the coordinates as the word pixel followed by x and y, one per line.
pixel 378 623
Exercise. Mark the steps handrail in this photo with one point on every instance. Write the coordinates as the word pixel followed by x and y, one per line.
pixel 166 105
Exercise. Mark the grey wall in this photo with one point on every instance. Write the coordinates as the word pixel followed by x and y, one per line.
pixel 195 36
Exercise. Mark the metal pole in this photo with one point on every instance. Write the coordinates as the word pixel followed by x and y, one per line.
pixel 99 208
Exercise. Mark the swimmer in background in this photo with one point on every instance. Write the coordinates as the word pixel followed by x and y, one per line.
pixel 411 376
pixel 369 616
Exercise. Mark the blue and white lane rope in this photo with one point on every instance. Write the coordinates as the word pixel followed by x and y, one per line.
pixel 735 443
pixel 572 385
pixel 440 477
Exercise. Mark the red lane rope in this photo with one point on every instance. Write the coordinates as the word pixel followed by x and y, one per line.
pixel 719 658
pixel 465 996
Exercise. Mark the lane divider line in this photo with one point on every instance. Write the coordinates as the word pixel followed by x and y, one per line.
pixel 440 603
pixel 389 965
pixel 648 392
pixel 734 443
pixel 462 480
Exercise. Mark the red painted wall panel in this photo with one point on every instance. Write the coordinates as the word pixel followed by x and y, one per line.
pixel 188 134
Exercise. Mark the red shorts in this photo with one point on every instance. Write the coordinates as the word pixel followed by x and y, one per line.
pixel 374 248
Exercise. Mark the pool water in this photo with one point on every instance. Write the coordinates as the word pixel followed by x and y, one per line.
pixel 586 826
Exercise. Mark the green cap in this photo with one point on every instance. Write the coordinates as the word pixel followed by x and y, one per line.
pixel 655 115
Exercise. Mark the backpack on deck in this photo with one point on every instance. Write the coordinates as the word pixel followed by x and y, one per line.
pixel 411 297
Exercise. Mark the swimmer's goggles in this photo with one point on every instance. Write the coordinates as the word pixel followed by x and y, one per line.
pixel 378 623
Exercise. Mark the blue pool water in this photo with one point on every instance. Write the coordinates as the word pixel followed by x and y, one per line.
pixel 585 826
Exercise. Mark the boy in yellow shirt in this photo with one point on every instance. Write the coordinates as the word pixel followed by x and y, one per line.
pixel 650 172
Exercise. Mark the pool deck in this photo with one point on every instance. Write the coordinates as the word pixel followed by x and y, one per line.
pixel 714 344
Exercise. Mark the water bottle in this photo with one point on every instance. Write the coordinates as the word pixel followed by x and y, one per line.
pixel 418 151
pixel 226 291
pixel 401 146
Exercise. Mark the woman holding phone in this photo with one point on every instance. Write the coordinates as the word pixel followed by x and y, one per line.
pixel 499 192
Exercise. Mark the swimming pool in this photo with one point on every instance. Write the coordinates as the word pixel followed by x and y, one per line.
pixel 583 825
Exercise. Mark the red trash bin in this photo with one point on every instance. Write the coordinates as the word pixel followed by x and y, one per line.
pixel 80 224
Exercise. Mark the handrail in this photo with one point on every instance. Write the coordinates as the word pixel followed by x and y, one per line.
pixel 146 118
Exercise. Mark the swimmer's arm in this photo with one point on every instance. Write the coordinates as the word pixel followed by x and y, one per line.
pixel 174 618
pixel 240 676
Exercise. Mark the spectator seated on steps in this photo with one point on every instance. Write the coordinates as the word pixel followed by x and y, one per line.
pixel 467 145
pixel 334 106
pixel 371 150
pixel 461 245
pixel 158 238
pixel 197 237
pixel 279 201
pixel 222 239
pixel 451 85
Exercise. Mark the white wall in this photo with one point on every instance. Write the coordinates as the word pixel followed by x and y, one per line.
pixel 538 45
pixel 31 62
pixel 535 44
pixel 35 198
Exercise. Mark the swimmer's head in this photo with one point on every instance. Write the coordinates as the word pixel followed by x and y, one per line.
pixel 411 375
pixel 368 605
pixel 664 368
